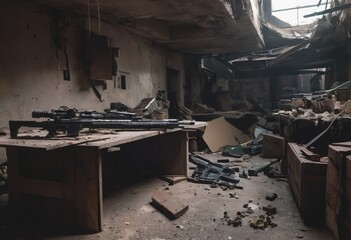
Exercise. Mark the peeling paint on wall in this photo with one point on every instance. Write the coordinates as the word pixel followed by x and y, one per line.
pixel 31 65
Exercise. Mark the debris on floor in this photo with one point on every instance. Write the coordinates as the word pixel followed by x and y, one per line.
pixel 173 179
pixel 212 173
pixel 219 133
pixel 271 197
pixel 256 171
pixel 262 222
pixel 168 204
pixel 255 222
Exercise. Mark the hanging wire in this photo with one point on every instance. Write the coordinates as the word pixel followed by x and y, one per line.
pixel 98 11
pixel 89 23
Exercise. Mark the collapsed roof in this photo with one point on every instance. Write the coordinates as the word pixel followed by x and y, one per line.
pixel 297 49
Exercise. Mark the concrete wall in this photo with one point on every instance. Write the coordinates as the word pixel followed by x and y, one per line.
pixel 257 88
pixel 31 65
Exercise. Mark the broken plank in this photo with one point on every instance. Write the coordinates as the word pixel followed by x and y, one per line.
pixel 166 203
pixel 310 155
pixel 173 179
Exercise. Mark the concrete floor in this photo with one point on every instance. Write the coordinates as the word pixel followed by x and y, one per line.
pixel 129 215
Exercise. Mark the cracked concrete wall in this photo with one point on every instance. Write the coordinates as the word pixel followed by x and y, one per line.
pixel 31 65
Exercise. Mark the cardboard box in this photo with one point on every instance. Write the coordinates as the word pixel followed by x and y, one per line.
pixel 307 180
pixel 338 190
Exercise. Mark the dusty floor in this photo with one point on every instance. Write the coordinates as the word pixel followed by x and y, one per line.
pixel 129 215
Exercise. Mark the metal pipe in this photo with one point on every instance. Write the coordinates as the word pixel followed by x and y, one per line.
pixel 334 9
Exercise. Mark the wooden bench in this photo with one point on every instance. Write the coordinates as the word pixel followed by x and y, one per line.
pixel 68 173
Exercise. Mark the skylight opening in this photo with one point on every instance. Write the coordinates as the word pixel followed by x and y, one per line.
pixel 292 11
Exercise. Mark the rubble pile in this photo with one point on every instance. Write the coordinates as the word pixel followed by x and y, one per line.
pixel 256 222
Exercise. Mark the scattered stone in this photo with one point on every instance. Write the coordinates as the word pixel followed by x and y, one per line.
pixel 250 200
pixel 180 226
pixel 166 188
pixel 126 223
pixel 207 189
pixel 214 185
pixel 249 211
pixel 271 197
pixel 245 205
pixel 224 188
pixel 236 222
pixel 234 195
pixel 243 175
pixel 253 207
pixel 270 209
pixel 261 222
pixel 298 236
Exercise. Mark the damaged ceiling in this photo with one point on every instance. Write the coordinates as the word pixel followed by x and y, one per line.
pixel 297 50
pixel 229 29
pixel 200 27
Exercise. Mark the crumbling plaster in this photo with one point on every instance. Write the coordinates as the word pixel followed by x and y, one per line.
pixel 31 65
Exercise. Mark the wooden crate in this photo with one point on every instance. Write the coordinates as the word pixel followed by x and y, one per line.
pixel 273 146
pixel 338 175
pixel 308 183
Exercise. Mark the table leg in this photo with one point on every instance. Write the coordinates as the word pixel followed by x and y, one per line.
pixel 88 189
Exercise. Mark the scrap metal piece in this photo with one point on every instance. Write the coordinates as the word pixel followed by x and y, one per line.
pixel 146 106
pixel 208 172
pixel 255 171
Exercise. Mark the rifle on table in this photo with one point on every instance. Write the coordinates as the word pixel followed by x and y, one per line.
pixel 72 121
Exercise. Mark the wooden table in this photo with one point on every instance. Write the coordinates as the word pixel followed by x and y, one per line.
pixel 66 175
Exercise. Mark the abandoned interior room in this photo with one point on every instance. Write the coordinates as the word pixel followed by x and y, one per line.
pixel 175 119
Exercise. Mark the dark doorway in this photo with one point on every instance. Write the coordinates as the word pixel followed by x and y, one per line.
pixel 173 91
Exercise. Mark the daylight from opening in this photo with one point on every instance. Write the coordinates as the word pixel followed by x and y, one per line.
pixel 293 11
